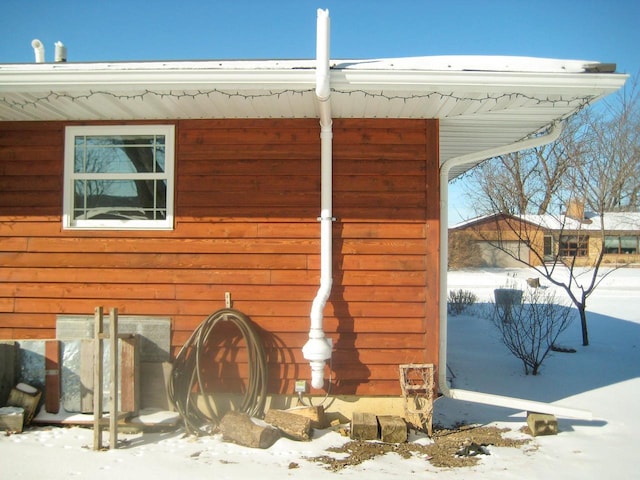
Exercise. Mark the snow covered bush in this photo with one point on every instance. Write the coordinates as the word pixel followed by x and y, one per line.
pixel 530 328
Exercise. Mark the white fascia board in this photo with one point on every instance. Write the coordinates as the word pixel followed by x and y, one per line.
pixel 26 81
pixel 297 75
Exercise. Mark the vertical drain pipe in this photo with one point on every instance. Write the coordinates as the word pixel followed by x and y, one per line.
pixel 318 348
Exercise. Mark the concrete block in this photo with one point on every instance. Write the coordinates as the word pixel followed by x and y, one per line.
pixel 364 426
pixel 542 424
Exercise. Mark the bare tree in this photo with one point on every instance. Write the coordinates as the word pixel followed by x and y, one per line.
pixel 596 162
pixel 528 181
pixel 606 154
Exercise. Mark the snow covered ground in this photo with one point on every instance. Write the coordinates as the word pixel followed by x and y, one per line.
pixel 603 378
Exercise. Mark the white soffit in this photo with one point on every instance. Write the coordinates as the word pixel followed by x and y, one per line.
pixel 481 102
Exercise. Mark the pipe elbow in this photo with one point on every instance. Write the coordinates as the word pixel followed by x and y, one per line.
pixel 38 49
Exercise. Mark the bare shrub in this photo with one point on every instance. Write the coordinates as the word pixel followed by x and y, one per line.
pixel 460 300
pixel 532 326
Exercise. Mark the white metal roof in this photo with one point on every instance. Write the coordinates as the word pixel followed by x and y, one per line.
pixel 610 221
pixel 482 102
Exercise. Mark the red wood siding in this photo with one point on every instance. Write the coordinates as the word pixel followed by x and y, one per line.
pixel 247 199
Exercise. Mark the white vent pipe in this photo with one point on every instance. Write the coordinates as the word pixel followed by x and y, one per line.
pixel 61 52
pixel 38 50
pixel 318 348
pixel 471 396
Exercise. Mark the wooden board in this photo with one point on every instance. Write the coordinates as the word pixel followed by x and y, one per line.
pixel 52 376
pixel 8 366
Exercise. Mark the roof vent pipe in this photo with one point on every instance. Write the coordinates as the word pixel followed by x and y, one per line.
pixel 38 49
pixel 318 348
pixel 61 52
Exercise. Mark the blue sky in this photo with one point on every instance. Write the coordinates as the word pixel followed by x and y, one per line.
pixel 604 30
pixel 118 30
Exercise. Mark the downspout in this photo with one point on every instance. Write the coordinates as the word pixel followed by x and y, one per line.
pixel 318 348
pixel 471 396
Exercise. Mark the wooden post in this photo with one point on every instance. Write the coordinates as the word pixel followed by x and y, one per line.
pixel 113 397
pixel 97 378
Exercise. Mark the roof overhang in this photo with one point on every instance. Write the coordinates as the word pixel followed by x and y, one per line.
pixel 482 103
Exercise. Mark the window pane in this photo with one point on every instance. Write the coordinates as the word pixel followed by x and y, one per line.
pixel 548 245
pixel 574 246
pixel 120 154
pixel 611 244
pixel 119 199
pixel 629 244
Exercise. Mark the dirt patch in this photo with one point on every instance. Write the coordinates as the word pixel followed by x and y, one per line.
pixel 458 447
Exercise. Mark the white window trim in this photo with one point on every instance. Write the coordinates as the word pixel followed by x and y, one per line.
pixel 68 223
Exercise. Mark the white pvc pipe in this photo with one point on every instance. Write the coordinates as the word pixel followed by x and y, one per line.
pixel 318 348
pixel 471 396
pixel 323 25
pixel 38 50
pixel 61 52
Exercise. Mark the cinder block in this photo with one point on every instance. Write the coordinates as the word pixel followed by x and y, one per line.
pixel 542 424
pixel 364 426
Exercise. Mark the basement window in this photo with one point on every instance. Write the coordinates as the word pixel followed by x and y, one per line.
pixel 119 177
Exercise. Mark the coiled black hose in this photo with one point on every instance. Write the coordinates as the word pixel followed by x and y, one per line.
pixel 186 374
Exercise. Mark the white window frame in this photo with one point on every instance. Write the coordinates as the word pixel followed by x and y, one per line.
pixel 113 224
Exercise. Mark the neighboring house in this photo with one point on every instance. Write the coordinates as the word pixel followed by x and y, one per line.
pixel 495 241
pixel 158 187
pixel 507 240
